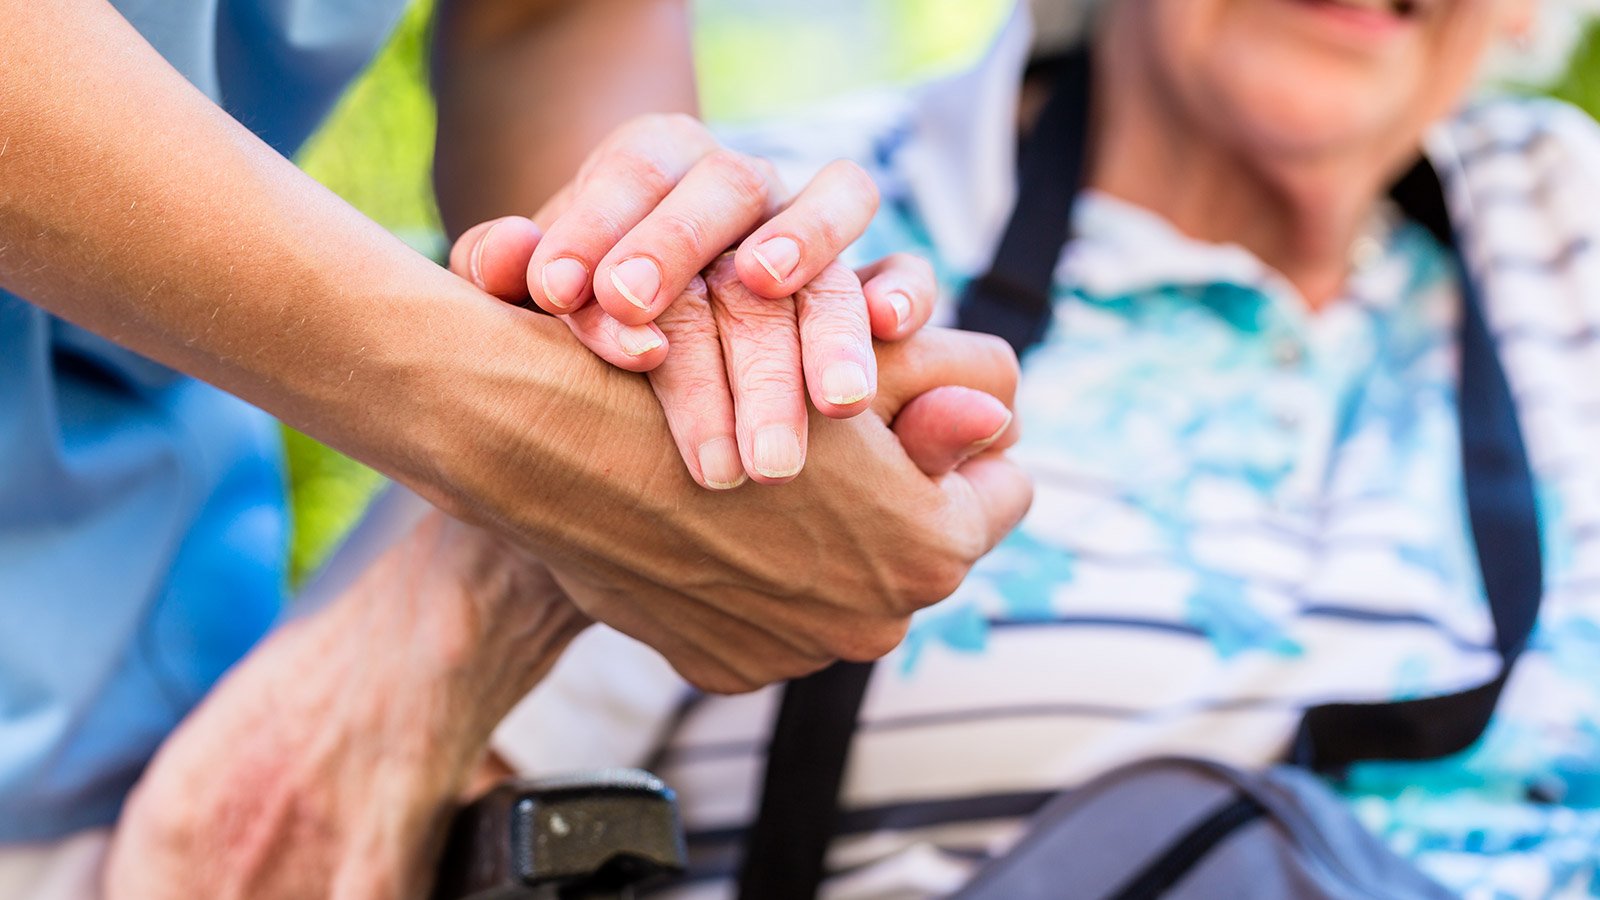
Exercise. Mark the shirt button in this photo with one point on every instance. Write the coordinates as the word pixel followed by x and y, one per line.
pixel 1287 353
pixel 1365 252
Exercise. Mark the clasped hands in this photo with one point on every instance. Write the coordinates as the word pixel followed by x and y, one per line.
pixel 749 586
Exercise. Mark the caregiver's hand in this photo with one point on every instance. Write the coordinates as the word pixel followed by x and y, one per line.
pixel 735 387
pixel 660 198
pixel 758 586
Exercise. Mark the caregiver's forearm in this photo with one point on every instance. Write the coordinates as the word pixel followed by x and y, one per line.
pixel 132 205
pixel 526 88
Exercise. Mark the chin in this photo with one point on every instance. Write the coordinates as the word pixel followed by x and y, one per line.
pixel 1280 96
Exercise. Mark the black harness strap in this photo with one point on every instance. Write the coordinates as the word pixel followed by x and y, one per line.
pixel 817 718
pixel 784 856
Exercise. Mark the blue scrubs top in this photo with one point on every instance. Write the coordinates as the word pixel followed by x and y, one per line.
pixel 142 518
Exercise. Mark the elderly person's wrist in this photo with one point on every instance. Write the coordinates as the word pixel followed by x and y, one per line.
pixel 333 755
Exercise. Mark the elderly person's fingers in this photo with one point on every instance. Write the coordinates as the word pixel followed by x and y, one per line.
pixel 761 349
pixel 692 385
pixel 494 256
pixel 797 243
pixel 718 201
pixel 836 343
pixel 949 425
pixel 619 185
pixel 901 292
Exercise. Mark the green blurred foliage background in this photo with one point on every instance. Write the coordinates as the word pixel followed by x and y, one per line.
pixel 375 149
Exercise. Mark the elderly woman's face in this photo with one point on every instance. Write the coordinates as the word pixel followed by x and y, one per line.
pixel 1314 77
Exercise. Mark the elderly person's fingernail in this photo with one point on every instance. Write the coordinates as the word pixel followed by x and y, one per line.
pixel 777 451
pixel 637 279
pixel 844 383
pixel 977 447
pixel 902 308
pixel 778 256
pixel 563 281
pixel 720 465
pixel 637 340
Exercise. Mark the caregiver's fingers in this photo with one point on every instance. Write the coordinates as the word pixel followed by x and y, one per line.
pixel 901 293
pixel 718 201
pixel 619 184
pixel 494 256
pixel 761 349
pixel 636 348
pixel 836 343
pixel 816 226
pixel 692 385
pixel 946 426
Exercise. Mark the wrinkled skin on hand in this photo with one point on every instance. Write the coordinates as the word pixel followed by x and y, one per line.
pixel 327 763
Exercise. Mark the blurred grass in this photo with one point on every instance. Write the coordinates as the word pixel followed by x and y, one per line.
pixel 1580 84
pixel 753 57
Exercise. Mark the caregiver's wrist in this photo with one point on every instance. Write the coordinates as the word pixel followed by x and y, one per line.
pixel 525 426
pixel 415 392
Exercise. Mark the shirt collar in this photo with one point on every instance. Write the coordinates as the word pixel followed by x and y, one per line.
pixel 1120 248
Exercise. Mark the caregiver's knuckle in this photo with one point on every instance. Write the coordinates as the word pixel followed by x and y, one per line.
pixel 640 168
pixel 683 233
pixel 856 180
pixel 740 173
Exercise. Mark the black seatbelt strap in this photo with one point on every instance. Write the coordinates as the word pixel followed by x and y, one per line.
pixel 1012 299
pixel 1505 532
pixel 784 857
pixel 817 717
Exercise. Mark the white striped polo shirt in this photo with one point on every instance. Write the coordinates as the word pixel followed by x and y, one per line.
pixel 1242 509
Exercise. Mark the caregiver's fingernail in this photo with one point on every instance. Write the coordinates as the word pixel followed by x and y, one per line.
pixel 637 279
pixel 778 256
pixel 563 281
pixel 777 451
pixel 637 340
pixel 902 308
pixel 844 383
pixel 720 465
pixel 977 447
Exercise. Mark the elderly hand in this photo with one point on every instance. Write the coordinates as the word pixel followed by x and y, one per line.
pixel 777 348
pixel 326 763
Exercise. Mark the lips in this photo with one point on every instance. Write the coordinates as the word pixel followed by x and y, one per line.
pixel 1402 9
